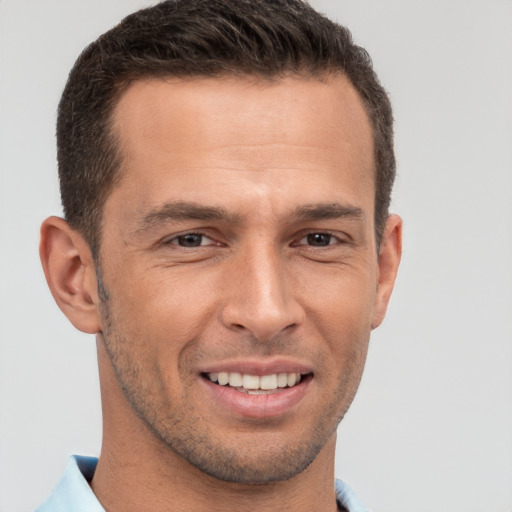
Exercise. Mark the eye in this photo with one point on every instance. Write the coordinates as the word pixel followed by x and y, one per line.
pixel 191 240
pixel 319 239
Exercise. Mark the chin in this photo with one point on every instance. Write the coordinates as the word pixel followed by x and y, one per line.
pixel 239 466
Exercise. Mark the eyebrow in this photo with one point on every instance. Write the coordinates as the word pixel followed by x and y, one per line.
pixel 183 211
pixel 328 211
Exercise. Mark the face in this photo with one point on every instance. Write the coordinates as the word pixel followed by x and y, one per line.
pixel 239 267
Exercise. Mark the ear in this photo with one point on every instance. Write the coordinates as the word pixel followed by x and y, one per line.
pixel 389 259
pixel 70 273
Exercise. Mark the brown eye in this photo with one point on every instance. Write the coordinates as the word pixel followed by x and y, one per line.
pixel 190 240
pixel 319 239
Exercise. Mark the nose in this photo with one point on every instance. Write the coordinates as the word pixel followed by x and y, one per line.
pixel 262 297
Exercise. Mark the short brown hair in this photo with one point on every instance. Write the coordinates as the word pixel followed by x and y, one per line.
pixel 201 38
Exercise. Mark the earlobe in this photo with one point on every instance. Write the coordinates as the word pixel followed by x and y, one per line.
pixel 70 273
pixel 389 260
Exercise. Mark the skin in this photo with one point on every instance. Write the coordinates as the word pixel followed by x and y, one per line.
pixel 287 272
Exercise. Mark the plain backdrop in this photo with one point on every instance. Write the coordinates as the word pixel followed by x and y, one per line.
pixel 431 427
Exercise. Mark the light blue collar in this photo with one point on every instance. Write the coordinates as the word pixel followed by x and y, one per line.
pixel 347 498
pixel 73 493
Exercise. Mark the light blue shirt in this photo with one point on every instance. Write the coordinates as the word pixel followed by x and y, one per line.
pixel 73 493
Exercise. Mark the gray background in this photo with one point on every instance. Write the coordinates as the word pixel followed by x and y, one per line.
pixel 431 428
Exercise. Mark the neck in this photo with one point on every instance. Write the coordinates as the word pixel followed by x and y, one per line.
pixel 136 471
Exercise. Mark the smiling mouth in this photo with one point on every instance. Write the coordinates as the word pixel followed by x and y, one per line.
pixel 254 384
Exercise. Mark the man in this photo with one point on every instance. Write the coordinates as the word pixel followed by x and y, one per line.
pixel 226 169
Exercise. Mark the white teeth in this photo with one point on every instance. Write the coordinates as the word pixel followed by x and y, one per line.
pixel 223 378
pixel 282 380
pixel 268 382
pixel 253 383
pixel 235 379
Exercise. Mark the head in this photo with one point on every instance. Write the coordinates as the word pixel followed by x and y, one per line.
pixel 268 39
pixel 226 169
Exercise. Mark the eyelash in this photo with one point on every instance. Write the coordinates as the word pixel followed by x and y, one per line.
pixel 333 240
pixel 175 240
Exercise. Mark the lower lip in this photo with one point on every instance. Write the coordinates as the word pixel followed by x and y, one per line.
pixel 257 406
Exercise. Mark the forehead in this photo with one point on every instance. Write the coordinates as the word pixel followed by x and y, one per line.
pixel 192 136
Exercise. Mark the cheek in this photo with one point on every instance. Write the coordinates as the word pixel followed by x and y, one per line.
pixel 163 310
pixel 340 298
pixel 340 313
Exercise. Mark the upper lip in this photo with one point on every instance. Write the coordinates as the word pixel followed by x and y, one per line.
pixel 258 367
